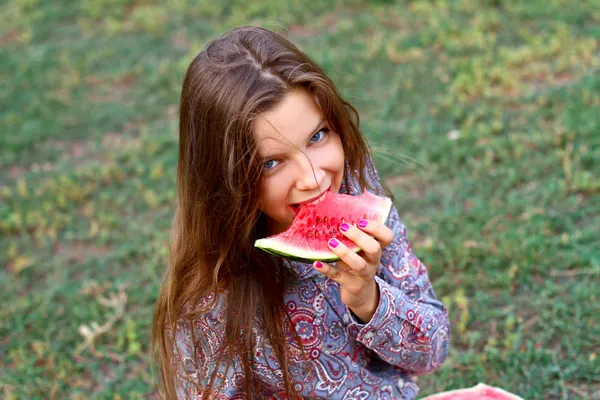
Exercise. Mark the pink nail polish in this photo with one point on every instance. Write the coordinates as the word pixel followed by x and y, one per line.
pixel 362 223
pixel 333 243
pixel 319 264
pixel 344 227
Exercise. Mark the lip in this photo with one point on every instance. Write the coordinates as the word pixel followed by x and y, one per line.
pixel 297 205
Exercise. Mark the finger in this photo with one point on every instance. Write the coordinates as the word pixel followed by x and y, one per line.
pixel 370 247
pixel 341 265
pixel 377 230
pixel 336 274
pixel 358 265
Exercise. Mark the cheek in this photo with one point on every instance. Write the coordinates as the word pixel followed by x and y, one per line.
pixel 266 192
pixel 336 154
pixel 337 163
pixel 272 192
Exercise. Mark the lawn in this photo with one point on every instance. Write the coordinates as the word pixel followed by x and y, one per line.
pixel 484 117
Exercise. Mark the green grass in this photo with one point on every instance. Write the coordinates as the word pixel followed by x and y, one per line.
pixel 484 118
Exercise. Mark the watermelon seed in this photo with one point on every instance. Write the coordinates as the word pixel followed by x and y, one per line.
pixel 308 234
pixel 318 220
pixel 326 220
pixel 316 234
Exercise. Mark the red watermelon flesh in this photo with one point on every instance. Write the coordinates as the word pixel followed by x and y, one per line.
pixel 479 392
pixel 314 224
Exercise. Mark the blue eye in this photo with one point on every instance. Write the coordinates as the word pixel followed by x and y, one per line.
pixel 319 135
pixel 270 164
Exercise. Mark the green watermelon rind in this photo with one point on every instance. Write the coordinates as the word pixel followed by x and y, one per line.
pixel 294 254
pixel 264 244
pixel 478 387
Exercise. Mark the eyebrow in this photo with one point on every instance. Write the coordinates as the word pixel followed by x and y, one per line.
pixel 310 134
pixel 315 129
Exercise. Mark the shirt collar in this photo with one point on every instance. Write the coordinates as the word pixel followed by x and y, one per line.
pixel 304 270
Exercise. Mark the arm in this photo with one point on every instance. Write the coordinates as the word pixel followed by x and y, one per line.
pixel 410 327
pixel 194 364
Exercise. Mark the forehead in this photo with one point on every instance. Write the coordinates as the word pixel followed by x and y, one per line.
pixel 289 123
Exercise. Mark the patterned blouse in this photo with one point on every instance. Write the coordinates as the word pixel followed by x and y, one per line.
pixel 407 336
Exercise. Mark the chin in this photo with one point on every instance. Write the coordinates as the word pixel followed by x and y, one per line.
pixel 279 225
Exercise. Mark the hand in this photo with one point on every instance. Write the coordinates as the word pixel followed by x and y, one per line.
pixel 356 271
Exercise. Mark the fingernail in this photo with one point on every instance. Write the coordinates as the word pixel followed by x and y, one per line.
pixel 318 264
pixel 333 243
pixel 344 227
pixel 362 223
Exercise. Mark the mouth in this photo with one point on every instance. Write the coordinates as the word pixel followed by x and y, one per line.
pixel 315 200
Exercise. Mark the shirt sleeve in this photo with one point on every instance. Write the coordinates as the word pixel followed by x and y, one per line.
pixel 410 327
pixel 195 358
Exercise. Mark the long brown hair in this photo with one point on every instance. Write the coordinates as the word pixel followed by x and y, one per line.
pixel 238 76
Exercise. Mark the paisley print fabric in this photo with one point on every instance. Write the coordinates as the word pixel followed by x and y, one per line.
pixel 407 336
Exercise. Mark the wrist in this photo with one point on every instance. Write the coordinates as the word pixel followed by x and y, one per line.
pixel 365 311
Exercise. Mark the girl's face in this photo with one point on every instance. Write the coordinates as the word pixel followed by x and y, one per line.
pixel 302 157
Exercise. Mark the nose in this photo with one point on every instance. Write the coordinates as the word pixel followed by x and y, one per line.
pixel 310 175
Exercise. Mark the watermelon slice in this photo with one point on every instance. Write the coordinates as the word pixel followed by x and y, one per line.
pixel 306 239
pixel 479 392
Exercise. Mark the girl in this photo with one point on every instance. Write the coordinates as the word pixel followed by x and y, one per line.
pixel 262 131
